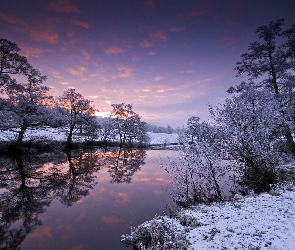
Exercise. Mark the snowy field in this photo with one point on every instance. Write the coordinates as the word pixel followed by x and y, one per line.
pixel 59 134
pixel 262 222
pixel 265 221
pixel 163 138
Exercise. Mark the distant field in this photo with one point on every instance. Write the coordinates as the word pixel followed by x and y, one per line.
pixel 59 134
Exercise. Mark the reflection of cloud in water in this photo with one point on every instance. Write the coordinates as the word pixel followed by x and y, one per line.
pixel 153 179
pixel 45 232
pixel 157 192
pixel 163 180
pixel 144 180
pixel 121 197
pixel 81 215
pixel 111 220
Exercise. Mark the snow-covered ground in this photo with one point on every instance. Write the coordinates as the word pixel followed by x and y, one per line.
pixel 265 221
pixel 262 222
pixel 163 138
pixel 59 134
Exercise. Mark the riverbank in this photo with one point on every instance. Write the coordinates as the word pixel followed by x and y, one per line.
pixel 60 135
pixel 264 221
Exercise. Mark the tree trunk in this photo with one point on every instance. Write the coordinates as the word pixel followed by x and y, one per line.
pixel 22 132
pixel 22 172
pixel 70 135
pixel 290 140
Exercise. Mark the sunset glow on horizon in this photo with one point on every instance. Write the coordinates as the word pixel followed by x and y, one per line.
pixel 169 59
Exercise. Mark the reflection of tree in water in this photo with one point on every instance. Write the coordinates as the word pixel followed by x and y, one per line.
pixel 29 183
pixel 27 194
pixel 123 163
pixel 77 177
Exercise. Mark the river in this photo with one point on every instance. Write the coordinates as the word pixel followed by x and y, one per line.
pixel 80 200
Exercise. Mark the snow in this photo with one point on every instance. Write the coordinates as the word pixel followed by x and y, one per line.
pixel 163 138
pixel 265 221
pixel 56 134
pixel 59 134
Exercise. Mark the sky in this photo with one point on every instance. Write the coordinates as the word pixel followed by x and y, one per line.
pixel 170 59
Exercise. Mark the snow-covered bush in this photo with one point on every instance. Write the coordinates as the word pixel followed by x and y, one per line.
pixel 200 169
pixel 158 234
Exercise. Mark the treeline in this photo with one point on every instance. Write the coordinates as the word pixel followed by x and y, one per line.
pixel 161 129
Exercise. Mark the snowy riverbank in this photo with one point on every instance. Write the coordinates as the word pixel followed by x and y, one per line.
pixel 265 221
pixel 60 134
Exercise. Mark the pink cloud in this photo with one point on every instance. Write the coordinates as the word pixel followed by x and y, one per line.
pixel 33 52
pixel 176 29
pixel 189 71
pixel 157 192
pixel 55 74
pixel 11 19
pixel 78 71
pixel 85 54
pixel 81 24
pixel 114 50
pixel 151 53
pixel 63 83
pixel 111 220
pixel 45 232
pixel 158 78
pixel 146 44
pixel 159 35
pixel 63 6
pixel 44 36
pixel 165 89
pixel 124 72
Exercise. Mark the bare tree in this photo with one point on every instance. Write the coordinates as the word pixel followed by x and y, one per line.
pixel 127 125
pixel 78 111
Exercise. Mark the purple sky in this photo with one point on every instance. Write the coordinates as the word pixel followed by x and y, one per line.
pixel 168 58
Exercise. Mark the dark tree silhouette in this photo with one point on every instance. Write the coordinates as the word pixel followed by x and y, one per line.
pixel 123 163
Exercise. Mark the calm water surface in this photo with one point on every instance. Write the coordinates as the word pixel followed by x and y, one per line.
pixel 83 200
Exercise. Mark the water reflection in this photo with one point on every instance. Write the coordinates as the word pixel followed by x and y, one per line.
pixel 123 163
pixel 29 183
pixel 27 193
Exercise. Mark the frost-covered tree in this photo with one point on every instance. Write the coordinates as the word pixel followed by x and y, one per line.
pixel 198 172
pixel 192 130
pixel 105 131
pixel 78 111
pixel 269 64
pixel 128 125
pixel 249 123
pixel 11 62
pixel 22 105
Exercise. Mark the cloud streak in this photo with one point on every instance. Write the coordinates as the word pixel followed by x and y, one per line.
pixel 159 35
pixel 65 6
pixel 114 50
pixel 124 72
pixel 81 24
pixel 146 44
pixel 78 71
